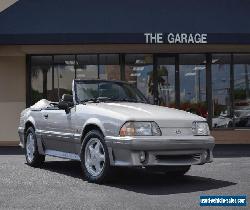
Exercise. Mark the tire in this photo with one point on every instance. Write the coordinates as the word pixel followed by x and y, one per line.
pixel 94 156
pixel 230 124
pixel 177 171
pixel 33 158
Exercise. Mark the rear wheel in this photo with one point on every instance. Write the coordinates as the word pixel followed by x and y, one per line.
pixel 32 155
pixel 94 157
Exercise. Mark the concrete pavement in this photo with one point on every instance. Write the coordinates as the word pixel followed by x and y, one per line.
pixel 58 184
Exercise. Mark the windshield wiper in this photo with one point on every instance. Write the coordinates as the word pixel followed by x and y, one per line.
pixel 129 100
pixel 105 99
pixel 96 100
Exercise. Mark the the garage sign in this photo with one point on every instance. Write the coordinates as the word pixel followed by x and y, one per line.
pixel 175 38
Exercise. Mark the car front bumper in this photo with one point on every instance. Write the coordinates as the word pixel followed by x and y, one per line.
pixel 160 150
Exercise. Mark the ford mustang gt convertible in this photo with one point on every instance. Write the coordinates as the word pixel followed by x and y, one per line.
pixel 109 124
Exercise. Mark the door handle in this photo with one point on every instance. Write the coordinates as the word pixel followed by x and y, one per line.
pixel 46 116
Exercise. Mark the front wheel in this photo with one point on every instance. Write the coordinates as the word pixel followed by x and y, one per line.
pixel 94 157
pixel 32 155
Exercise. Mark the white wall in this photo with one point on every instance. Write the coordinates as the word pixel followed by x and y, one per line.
pixel 12 96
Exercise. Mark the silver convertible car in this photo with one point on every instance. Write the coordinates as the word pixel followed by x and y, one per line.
pixel 106 124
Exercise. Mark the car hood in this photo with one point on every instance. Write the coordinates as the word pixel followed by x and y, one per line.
pixel 164 116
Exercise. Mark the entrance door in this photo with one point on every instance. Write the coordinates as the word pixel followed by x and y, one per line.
pixel 166 76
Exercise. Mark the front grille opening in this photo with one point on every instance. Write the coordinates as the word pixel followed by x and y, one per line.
pixel 176 158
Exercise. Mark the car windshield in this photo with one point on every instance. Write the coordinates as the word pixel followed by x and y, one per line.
pixel 96 91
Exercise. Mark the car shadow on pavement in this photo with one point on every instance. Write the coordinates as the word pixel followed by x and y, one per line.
pixel 141 181
pixel 160 184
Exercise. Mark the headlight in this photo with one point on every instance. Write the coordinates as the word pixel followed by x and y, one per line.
pixel 200 129
pixel 140 129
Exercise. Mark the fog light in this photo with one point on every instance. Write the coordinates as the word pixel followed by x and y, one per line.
pixel 142 156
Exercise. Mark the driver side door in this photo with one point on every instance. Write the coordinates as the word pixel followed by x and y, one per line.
pixel 59 130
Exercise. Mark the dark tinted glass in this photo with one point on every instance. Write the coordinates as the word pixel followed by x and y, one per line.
pixel 193 83
pixel 86 67
pixel 64 66
pixel 112 91
pixel 42 79
pixel 222 110
pixel 109 67
pixel 241 90
pixel 139 72
pixel 166 81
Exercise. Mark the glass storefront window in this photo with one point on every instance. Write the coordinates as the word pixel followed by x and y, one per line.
pixel 86 67
pixel 139 72
pixel 241 91
pixel 42 83
pixel 166 80
pixel 109 67
pixel 222 110
pixel 193 83
pixel 64 66
pixel 52 75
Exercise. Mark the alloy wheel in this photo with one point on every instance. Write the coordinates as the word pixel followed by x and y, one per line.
pixel 94 157
pixel 30 147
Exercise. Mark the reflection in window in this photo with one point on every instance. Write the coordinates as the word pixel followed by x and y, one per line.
pixel 86 67
pixel 42 83
pixel 222 110
pixel 241 90
pixel 193 83
pixel 65 73
pixel 109 68
pixel 166 81
pixel 139 72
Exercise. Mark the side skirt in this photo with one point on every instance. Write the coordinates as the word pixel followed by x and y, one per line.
pixel 60 154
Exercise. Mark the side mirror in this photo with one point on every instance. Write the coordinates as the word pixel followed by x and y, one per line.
pixel 64 105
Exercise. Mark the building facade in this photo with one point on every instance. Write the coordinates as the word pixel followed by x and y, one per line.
pixel 187 55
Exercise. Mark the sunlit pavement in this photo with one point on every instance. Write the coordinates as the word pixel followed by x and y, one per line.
pixel 59 184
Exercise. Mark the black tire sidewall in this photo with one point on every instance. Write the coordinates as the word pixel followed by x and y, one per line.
pixel 105 173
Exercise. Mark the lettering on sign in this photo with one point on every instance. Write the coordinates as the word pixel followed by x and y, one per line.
pixel 175 38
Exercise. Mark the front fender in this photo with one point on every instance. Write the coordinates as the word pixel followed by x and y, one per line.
pixel 31 120
pixel 95 121
pixel 38 135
